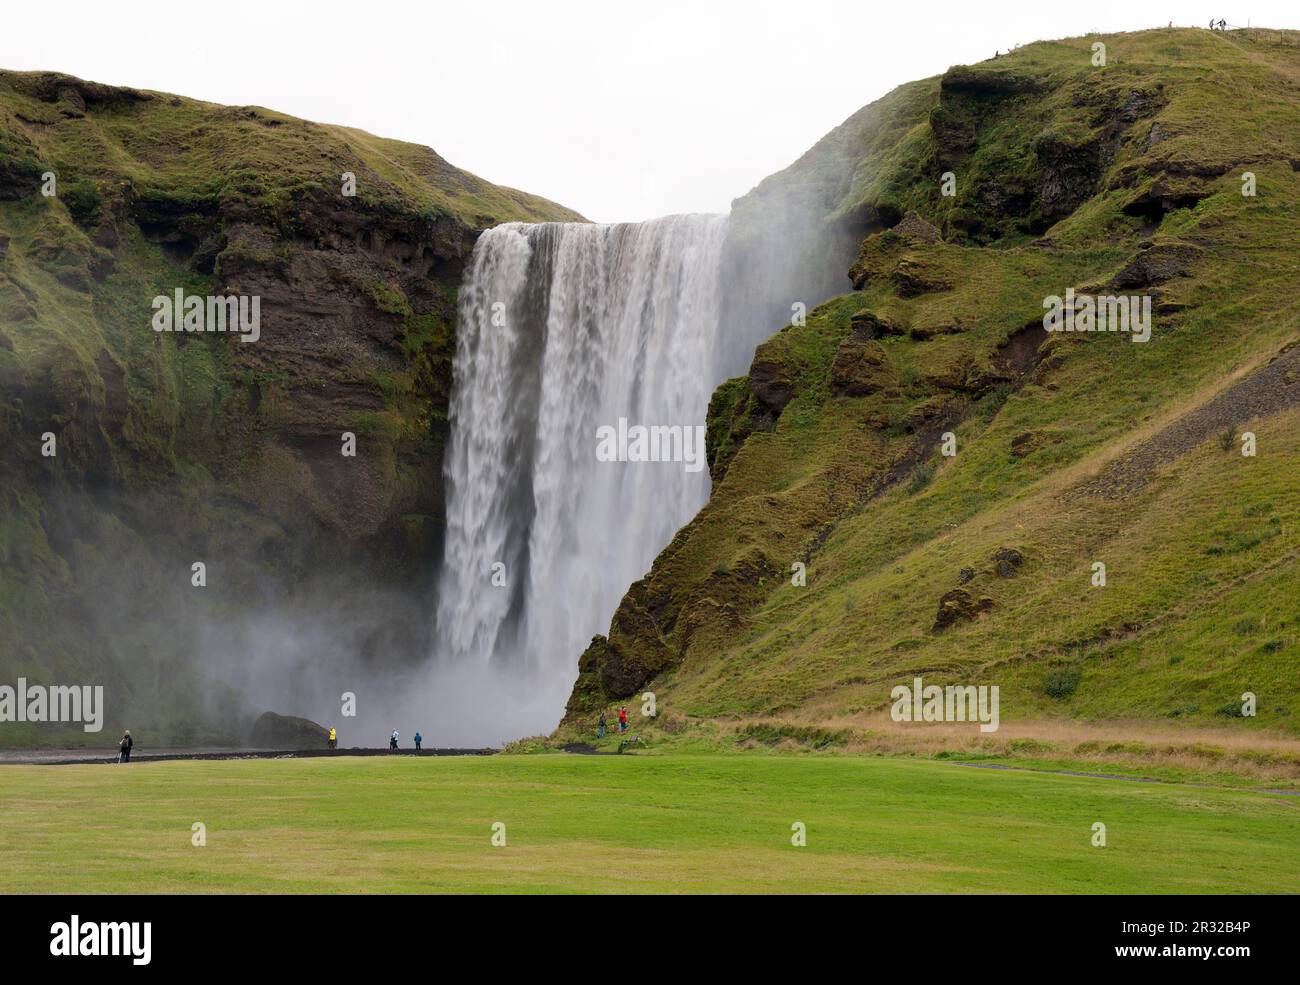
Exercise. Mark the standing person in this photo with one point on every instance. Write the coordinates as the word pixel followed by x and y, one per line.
pixel 124 747
pixel 622 719
pixel 392 740
pixel 600 726
pixel 418 739
pixel 334 738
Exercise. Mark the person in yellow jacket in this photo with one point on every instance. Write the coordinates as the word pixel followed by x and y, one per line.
pixel 334 738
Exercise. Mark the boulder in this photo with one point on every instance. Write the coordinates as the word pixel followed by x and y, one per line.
pixel 1007 560
pixel 272 731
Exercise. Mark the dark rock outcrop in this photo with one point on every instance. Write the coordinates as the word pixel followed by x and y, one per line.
pixel 912 226
pixel 1007 560
pixel 959 605
pixel 866 325
pixel 858 369
pixel 915 276
pixel 1156 263
pixel 1162 195
pixel 272 731
pixel 1026 443
pixel 772 381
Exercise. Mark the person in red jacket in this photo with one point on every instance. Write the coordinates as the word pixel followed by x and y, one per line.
pixel 622 719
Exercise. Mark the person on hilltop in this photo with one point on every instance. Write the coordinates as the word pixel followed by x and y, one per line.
pixel 124 747
pixel 622 719
pixel 418 739
pixel 392 740
pixel 334 738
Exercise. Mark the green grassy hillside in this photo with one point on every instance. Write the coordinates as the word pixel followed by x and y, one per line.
pixel 173 448
pixel 1071 449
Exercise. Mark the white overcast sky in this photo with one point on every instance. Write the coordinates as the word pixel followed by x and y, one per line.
pixel 621 110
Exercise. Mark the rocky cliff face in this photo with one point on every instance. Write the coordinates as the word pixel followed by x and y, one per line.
pixel 171 448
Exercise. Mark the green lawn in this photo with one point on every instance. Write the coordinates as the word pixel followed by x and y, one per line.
pixel 672 823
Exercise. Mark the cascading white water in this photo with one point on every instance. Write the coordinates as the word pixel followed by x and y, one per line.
pixel 565 327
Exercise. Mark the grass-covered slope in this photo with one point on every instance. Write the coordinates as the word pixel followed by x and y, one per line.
pixel 170 148
pixel 173 448
pixel 1070 449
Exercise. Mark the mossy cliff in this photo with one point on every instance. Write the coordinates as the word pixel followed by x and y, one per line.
pixel 177 447
pixel 1070 450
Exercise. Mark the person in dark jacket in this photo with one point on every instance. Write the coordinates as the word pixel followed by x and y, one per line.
pixel 124 747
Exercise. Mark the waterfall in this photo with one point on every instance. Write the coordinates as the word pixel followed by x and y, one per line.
pixel 565 328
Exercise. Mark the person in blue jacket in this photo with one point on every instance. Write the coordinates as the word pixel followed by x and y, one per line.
pixel 418 739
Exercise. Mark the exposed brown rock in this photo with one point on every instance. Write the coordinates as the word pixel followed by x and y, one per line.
pixel 772 381
pixel 1164 194
pixel 867 325
pixel 988 82
pixel 1026 443
pixel 272 731
pixel 914 277
pixel 858 369
pixel 914 227
pixel 1008 559
pixel 959 605
pixel 1156 263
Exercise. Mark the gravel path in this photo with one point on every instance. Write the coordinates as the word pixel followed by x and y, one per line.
pixel 1268 391
pixel 70 757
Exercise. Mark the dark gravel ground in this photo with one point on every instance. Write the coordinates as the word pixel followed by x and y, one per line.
pixel 1274 388
pixel 68 757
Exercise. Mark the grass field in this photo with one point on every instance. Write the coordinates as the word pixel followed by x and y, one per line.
pixel 671 823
